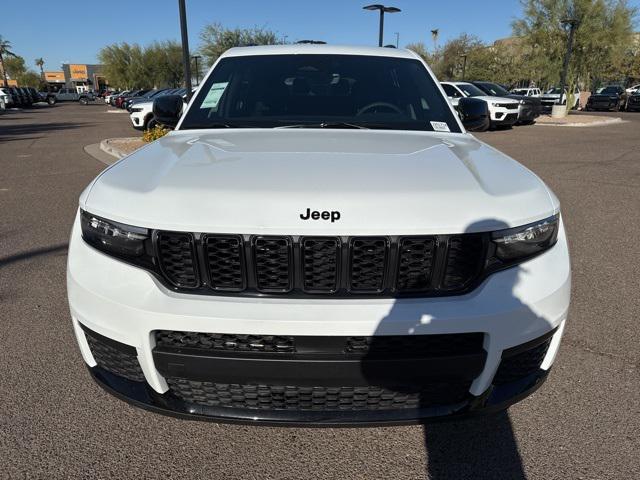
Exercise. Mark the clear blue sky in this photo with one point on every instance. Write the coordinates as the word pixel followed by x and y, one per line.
pixel 71 32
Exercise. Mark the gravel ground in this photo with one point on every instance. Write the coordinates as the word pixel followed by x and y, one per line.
pixel 56 423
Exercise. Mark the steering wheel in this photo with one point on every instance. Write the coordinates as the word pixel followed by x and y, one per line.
pixel 379 104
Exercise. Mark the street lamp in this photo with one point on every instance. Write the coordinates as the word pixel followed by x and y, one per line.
pixel 196 58
pixel 186 64
pixel 572 23
pixel 382 10
pixel 397 39
pixel 464 64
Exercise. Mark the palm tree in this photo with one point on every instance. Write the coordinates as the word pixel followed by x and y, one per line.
pixel 40 63
pixel 434 36
pixel 5 51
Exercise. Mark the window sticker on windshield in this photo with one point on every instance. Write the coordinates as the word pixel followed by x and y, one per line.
pixel 213 97
pixel 440 126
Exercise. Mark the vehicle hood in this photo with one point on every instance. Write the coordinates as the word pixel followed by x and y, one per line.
pixel 490 98
pixel 262 180
pixel 535 101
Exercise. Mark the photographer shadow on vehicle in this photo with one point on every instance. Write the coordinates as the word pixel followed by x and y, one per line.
pixel 435 382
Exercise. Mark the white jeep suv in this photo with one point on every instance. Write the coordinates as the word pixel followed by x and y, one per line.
pixel 504 111
pixel 319 241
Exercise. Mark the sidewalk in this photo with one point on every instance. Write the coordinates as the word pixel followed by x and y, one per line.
pixel 573 120
pixel 121 147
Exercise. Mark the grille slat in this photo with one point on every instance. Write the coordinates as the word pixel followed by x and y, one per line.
pixel 415 264
pixel 320 264
pixel 273 263
pixel 177 258
pixel 224 258
pixel 464 260
pixel 368 261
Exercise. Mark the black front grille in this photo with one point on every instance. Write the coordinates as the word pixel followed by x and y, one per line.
pixel 275 397
pixel 225 342
pixel 321 266
pixel 115 357
pixel 177 258
pixel 515 367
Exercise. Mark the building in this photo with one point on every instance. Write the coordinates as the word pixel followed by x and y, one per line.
pixel 80 76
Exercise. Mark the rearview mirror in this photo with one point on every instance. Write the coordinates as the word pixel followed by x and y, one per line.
pixel 474 114
pixel 167 110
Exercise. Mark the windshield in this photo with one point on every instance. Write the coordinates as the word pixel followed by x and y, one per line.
pixel 470 90
pixel 320 91
pixel 610 91
pixel 493 89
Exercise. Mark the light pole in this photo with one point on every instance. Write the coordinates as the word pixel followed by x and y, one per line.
pixel 186 63
pixel 464 64
pixel 397 34
pixel 196 58
pixel 573 24
pixel 382 10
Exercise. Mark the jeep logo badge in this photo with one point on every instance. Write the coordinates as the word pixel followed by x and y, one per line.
pixel 316 215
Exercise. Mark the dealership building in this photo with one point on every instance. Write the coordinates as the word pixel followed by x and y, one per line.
pixel 79 76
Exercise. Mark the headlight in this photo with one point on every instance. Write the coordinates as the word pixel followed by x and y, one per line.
pixel 520 243
pixel 493 104
pixel 522 102
pixel 124 241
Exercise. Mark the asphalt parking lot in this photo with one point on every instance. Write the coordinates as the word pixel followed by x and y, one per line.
pixel 56 423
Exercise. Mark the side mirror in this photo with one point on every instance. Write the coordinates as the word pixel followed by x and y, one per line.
pixel 167 110
pixel 474 114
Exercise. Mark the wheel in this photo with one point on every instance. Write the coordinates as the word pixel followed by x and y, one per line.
pixel 149 122
pixel 51 100
pixel 84 101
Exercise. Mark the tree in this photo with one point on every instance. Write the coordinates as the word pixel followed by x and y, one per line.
pixel 132 66
pixel 604 32
pixel 5 51
pixel 216 39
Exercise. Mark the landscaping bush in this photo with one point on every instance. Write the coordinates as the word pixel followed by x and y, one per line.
pixel 154 133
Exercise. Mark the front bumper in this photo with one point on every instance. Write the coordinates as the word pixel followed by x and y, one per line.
pixel 503 116
pixel 124 306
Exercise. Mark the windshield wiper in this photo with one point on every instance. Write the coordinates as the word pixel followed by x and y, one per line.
pixel 326 125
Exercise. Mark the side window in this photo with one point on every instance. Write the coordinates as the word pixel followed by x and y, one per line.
pixel 451 91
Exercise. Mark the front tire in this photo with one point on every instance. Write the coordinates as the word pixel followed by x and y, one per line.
pixel 84 101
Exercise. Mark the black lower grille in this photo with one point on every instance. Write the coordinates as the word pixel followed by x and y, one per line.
pixel 114 357
pixel 515 367
pixel 224 342
pixel 418 346
pixel 273 397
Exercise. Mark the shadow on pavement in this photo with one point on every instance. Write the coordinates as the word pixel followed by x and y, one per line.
pixel 37 252
pixel 10 132
pixel 475 448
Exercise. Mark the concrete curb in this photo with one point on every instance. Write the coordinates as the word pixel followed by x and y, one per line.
pixel 106 147
pixel 97 153
pixel 600 123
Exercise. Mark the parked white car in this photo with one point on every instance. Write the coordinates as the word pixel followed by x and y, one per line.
pixel 141 115
pixel 6 97
pixel 527 92
pixel 552 96
pixel 632 89
pixel 318 241
pixel 504 111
